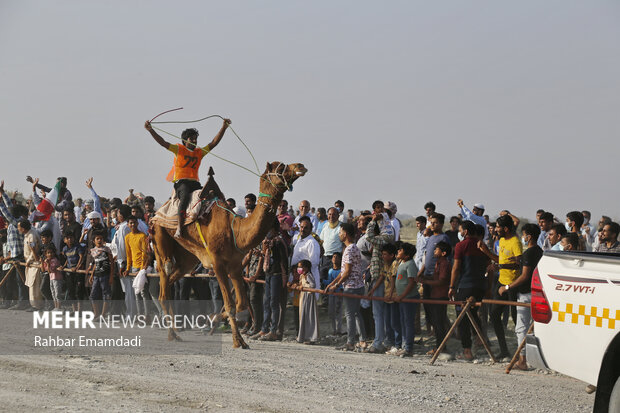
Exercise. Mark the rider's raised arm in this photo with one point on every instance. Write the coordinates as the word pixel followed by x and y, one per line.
pixel 218 137
pixel 155 135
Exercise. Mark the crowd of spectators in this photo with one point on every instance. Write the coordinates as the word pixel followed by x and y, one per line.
pixel 327 250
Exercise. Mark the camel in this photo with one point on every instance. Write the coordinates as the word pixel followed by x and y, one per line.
pixel 228 238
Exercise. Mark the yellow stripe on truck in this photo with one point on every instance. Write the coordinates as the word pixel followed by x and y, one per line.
pixel 585 316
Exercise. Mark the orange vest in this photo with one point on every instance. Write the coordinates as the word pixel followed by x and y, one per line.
pixel 186 164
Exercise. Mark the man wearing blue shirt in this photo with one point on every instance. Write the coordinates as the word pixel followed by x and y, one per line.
pixel 475 216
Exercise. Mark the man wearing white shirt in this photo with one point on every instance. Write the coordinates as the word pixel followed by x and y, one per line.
pixel 420 244
pixel 304 210
pixel 118 246
pixel 390 208
pixel 587 229
pixel 475 216
pixel 307 248
pixel 545 222
pixel 331 241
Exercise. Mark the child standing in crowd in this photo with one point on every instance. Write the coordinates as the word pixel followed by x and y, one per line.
pixel 46 289
pixel 440 283
pixel 405 287
pixel 308 313
pixel 334 303
pixel 389 267
pixel 73 255
pixel 101 274
pixel 51 266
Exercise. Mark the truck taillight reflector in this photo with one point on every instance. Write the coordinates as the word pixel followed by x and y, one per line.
pixel 541 311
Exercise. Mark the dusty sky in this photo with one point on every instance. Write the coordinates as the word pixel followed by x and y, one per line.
pixel 513 104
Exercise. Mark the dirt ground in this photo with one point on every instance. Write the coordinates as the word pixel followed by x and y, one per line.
pixel 270 377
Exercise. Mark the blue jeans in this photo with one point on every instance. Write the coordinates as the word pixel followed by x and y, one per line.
pixel 407 323
pixel 271 303
pixel 353 315
pixel 378 313
pixel 393 336
pixel 101 288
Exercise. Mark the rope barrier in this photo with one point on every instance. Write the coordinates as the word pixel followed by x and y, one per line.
pixel 323 292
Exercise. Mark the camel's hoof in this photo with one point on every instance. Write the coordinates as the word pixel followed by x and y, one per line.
pixel 242 344
pixel 172 336
pixel 243 316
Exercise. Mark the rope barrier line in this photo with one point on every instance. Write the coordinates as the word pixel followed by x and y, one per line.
pixel 404 300
pixel 337 294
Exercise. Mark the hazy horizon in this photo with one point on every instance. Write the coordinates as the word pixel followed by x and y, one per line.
pixel 514 105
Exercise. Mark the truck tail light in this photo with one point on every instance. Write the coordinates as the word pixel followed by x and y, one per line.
pixel 541 311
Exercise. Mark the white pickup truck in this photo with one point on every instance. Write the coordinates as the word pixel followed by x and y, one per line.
pixel 576 311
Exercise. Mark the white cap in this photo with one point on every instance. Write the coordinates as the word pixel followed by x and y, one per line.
pixel 93 214
pixel 479 206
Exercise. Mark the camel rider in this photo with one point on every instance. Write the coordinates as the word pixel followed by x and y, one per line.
pixel 187 160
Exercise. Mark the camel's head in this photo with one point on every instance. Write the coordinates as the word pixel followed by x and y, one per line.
pixel 282 175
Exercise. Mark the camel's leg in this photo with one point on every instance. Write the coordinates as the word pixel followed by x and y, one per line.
pixel 163 246
pixel 241 297
pixel 185 262
pixel 222 279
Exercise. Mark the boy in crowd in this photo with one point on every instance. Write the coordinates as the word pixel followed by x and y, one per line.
pixel 51 267
pixel 334 303
pixel 118 241
pixel 545 222
pixel 555 235
pixel 570 242
pixel 509 260
pixel 428 267
pixel 468 280
pixel 275 267
pixel 389 268
pixel 73 255
pixel 15 240
pixel 102 272
pixel 137 250
pixel 32 248
pixel 453 232
pixel 440 283
pixel 351 278
pixel 609 239
pixel 149 208
pixel 574 221
pixel 70 224
pixel 46 289
pixel 405 287
pixel 522 285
